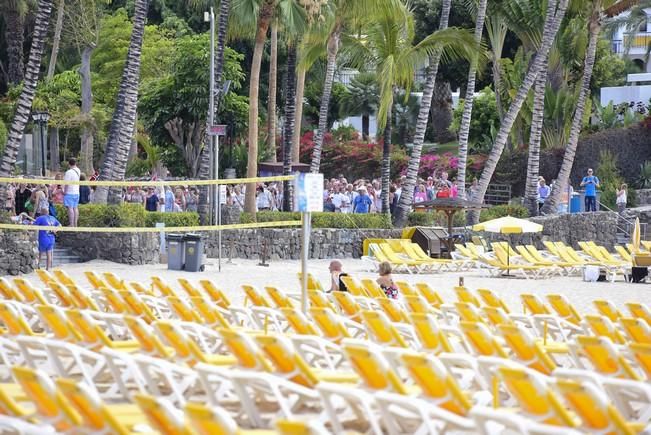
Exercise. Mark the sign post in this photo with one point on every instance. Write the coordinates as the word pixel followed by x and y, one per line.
pixel 308 191
pixel 214 131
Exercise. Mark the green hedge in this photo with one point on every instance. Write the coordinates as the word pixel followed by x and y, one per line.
pixel 497 211
pixel 125 215
pixel 184 219
pixel 324 220
pixel 435 219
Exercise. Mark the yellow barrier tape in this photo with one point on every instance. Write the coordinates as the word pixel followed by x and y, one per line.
pixel 149 229
pixel 146 183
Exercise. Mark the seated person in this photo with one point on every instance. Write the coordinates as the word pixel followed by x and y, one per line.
pixel 336 274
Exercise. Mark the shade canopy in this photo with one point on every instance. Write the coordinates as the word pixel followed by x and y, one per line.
pixel 636 236
pixel 508 225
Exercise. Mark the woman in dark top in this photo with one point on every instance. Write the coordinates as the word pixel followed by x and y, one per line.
pixel 151 202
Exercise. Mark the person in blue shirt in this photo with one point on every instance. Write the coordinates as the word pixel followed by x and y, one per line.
pixel 362 202
pixel 591 184
pixel 46 237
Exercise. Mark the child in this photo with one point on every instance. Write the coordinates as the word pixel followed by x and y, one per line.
pixel 46 237
pixel 385 281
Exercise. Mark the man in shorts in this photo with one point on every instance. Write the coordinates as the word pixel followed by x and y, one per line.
pixel 46 237
pixel 71 192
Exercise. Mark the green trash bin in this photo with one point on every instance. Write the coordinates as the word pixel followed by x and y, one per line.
pixel 175 251
pixel 193 253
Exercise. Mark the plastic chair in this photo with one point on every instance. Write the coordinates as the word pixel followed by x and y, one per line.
pixel 97 417
pixel 465 295
pixel 637 330
pixel 150 343
pixel 186 349
pixel 95 281
pixel 564 308
pixel 278 297
pixel 431 336
pixel 492 300
pixel 606 308
pixel 214 293
pixel 535 399
pixel 601 326
pixel 190 289
pixel 604 358
pixel 93 336
pixel 526 350
pixel 639 310
pixel 256 298
pixel 429 294
pixel 51 406
pixel 162 415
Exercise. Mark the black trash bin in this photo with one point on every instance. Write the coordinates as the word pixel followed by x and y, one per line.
pixel 193 253
pixel 175 251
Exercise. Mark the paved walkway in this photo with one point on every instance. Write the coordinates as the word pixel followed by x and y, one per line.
pixel 283 275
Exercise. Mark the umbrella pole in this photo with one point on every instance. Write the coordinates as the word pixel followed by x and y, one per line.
pixel 508 258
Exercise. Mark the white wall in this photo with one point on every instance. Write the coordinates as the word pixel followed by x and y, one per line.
pixel 625 94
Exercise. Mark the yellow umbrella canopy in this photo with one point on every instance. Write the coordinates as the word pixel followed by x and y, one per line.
pixel 636 236
pixel 508 225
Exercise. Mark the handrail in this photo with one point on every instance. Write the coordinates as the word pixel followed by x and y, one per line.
pixel 629 223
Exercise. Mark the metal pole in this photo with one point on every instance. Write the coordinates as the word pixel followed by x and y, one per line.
pixel 305 252
pixel 40 127
pixel 218 205
pixel 211 115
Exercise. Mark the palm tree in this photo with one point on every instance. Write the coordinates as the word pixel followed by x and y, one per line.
pixel 407 195
pixel 347 14
pixel 56 40
pixel 123 122
pixel 24 103
pixel 271 104
pixel 387 47
pixel 290 123
pixel 553 19
pixel 14 15
pixel 464 129
pixel 596 12
pixel 362 99
pixel 257 15
pixel 206 153
pixel 298 118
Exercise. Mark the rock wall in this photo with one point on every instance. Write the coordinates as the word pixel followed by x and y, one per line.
pixel 125 248
pixel 18 252
pixel 286 243
pixel 643 197
pixel 601 227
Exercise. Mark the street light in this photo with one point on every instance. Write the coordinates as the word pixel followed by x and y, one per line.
pixel 41 118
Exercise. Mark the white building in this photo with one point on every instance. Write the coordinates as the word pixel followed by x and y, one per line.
pixel 638 42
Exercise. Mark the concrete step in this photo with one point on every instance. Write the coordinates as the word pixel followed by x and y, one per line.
pixel 64 256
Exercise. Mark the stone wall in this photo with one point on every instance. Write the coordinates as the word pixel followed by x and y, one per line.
pixel 18 252
pixel 643 197
pixel 601 227
pixel 125 248
pixel 286 243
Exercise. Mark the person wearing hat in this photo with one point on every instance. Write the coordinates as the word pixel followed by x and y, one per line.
pixel 362 202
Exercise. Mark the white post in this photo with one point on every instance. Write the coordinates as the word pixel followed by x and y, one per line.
pixel 211 115
pixel 218 204
pixel 305 253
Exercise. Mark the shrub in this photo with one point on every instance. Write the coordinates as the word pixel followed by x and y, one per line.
pixel 497 211
pixel 184 219
pixel 101 215
pixel 324 220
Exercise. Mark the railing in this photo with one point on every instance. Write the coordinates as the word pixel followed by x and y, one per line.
pixel 637 40
pixel 627 227
pixel 617 46
pixel 497 194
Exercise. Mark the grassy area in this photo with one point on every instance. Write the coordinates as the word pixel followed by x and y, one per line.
pixel 452 147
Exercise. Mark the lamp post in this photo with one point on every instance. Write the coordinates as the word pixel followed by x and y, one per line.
pixel 41 118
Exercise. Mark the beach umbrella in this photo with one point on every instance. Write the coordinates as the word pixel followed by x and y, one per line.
pixel 508 225
pixel 636 235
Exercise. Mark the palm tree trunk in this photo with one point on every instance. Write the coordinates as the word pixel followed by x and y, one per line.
pixel 464 130
pixel 122 128
pixel 333 49
pixel 290 124
pixel 300 91
pixel 407 195
pixel 271 109
pixel 204 163
pixel 552 24
pixel 533 163
pixel 366 122
pixel 51 67
pixel 24 103
pixel 86 153
pixel 14 35
pixel 254 89
pixel 386 162
pixel 577 122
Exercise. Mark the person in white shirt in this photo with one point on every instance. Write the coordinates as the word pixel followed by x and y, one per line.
pixel 263 199
pixel 71 192
pixel 338 199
